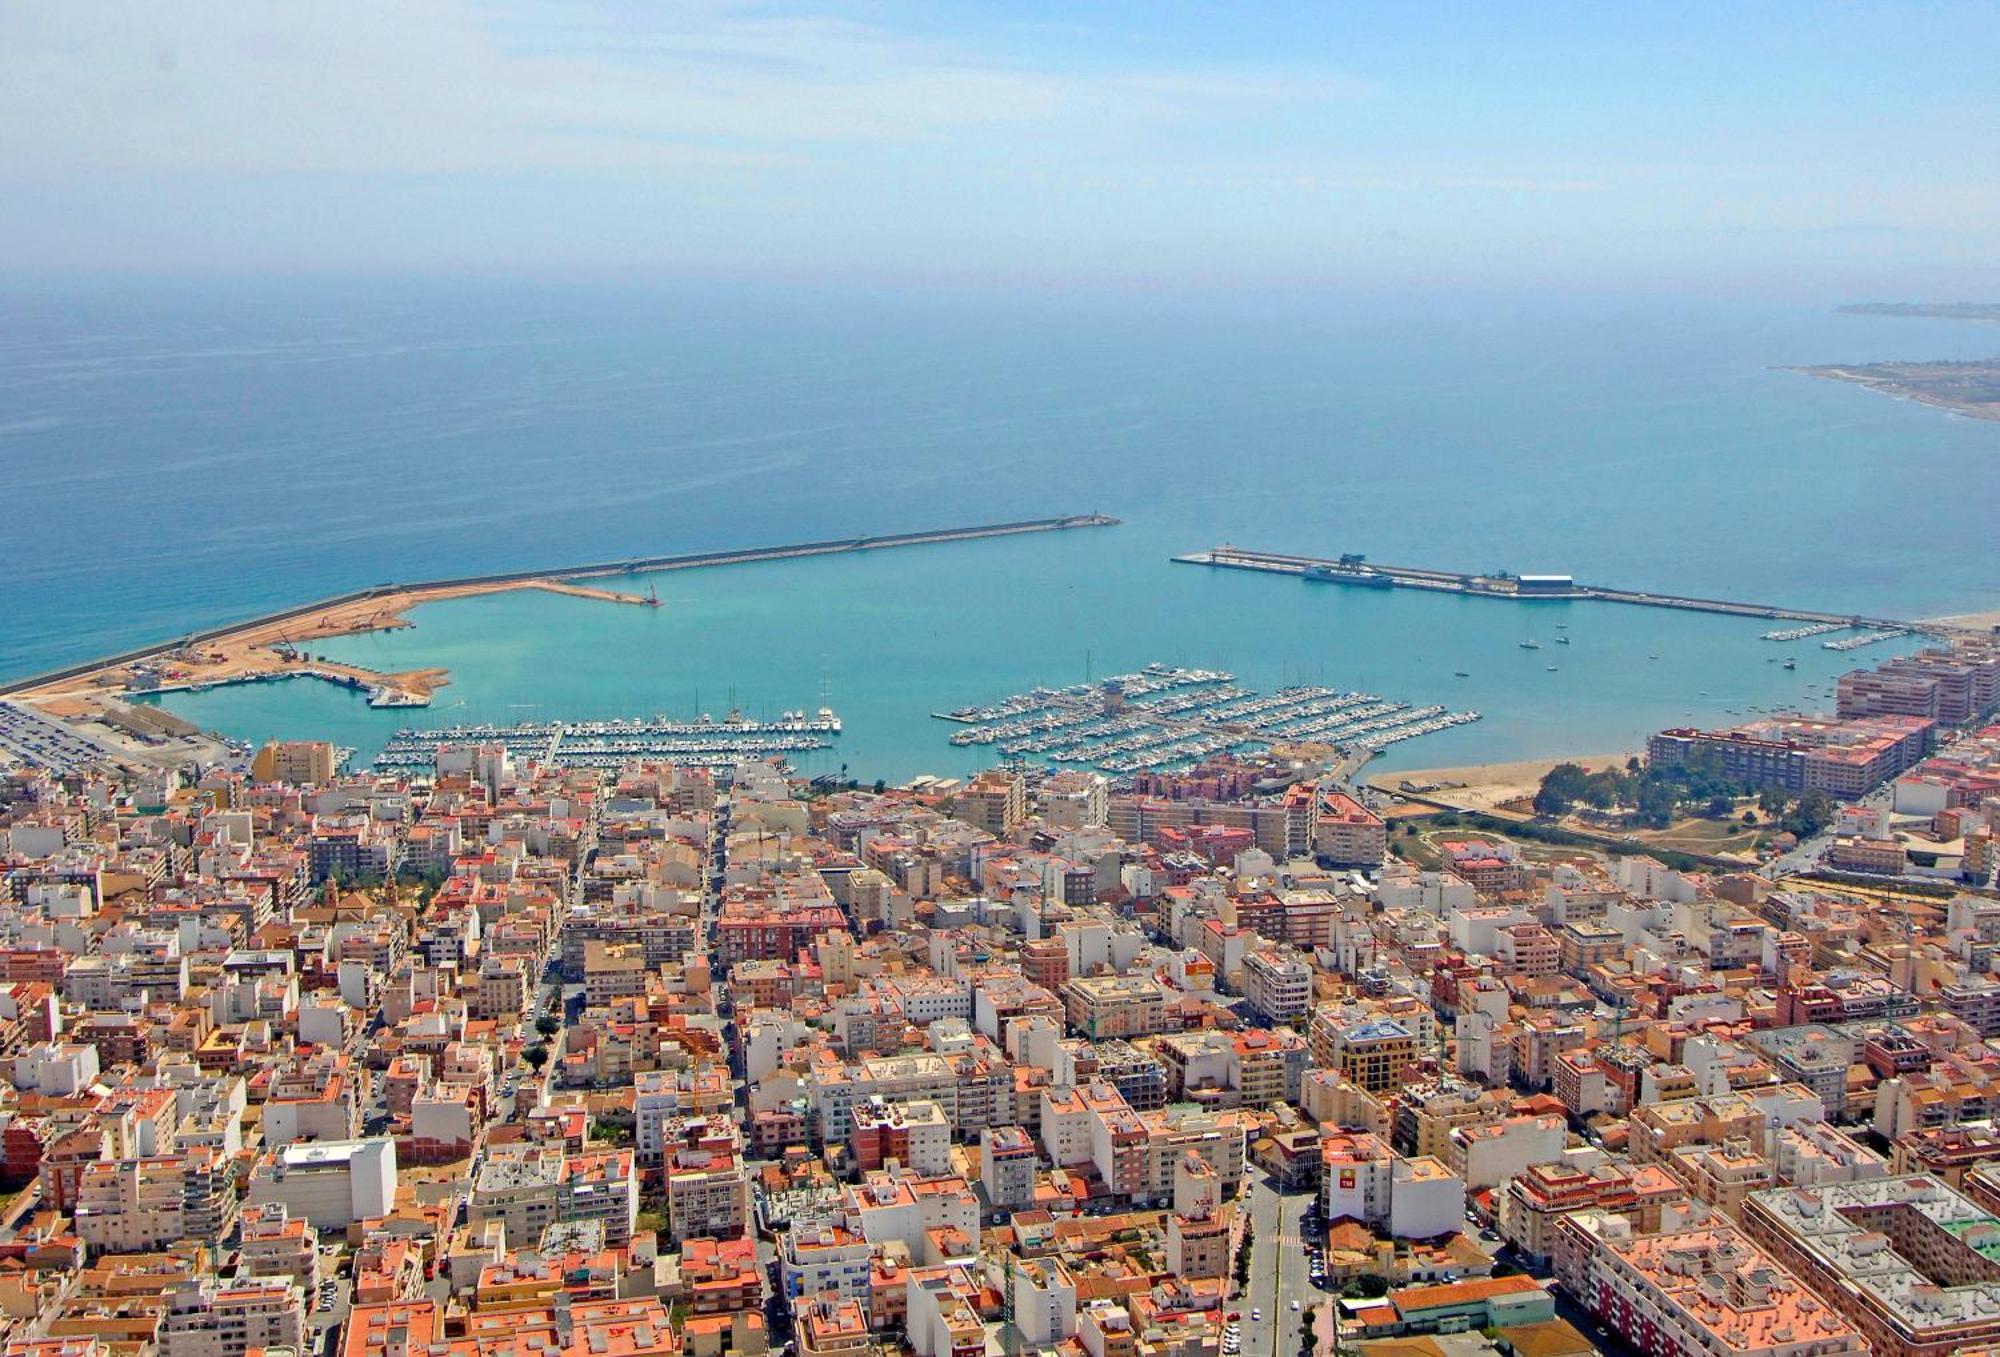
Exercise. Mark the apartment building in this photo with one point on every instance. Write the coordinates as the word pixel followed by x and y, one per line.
pixel 207 1318
pixel 1906 1260
pixel 1008 1165
pixel 131 1205
pixel 1114 1005
pixel 1266 1067
pixel 275 1245
pixel 916 1135
pixel 1373 1054
pixel 1346 833
pixel 708 1188
pixel 1532 1203
pixel 328 1184
pixel 301 762
pixel 1709 1290
pixel 995 801
pixel 1277 986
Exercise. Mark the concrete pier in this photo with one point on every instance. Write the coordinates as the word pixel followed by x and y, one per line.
pixel 1354 571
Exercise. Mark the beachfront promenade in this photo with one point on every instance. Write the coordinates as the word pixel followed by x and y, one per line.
pixel 1353 570
pixel 381 605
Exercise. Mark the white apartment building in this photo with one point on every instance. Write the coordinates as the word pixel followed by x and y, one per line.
pixel 1278 985
pixel 329 1184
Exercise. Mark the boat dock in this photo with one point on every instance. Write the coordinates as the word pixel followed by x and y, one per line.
pixel 1163 717
pixel 1349 571
pixel 703 743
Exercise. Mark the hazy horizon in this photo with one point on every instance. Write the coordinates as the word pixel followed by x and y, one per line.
pixel 1828 152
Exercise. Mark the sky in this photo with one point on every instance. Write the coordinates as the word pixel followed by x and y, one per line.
pixel 1775 146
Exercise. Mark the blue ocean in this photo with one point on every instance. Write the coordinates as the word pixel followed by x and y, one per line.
pixel 181 455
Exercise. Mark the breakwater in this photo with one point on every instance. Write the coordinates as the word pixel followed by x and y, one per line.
pixel 424 590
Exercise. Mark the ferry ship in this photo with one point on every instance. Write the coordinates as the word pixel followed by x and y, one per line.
pixel 1366 579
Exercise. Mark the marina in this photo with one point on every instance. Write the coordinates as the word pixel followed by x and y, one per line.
pixel 703 743
pixel 1866 638
pixel 1181 716
pixel 1802 633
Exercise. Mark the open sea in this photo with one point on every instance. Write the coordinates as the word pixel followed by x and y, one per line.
pixel 178 456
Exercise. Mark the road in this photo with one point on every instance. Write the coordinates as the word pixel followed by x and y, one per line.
pixel 1805 857
pixel 324 1325
pixel 1278 1271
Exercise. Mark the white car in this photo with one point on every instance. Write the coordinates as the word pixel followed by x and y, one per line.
pixel 1295 1306
pixel 1256 1315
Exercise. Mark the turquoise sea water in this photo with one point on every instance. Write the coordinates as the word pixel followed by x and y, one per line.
pixel 180 458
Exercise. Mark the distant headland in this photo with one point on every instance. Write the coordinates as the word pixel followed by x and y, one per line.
pixel 1967 388
pixel 1933 310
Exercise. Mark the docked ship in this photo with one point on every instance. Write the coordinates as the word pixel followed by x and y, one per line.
pixel 1350 571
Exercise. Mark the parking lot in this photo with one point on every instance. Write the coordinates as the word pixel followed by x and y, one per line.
pixel 46 742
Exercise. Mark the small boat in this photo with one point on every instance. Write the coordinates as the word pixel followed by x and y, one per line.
pixel 1552 669
pixel 1791 664
pixel 1531 645
pixel 1562 640
pixel 1460 673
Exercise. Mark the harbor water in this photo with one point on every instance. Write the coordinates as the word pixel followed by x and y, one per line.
pixel 192 456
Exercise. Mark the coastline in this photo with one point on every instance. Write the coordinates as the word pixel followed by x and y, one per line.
pixel 1879 378
pixel 269 646
pixel 269 649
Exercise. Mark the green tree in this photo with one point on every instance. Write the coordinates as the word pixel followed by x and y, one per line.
pixel 1602 791
pixel 1655 804
pixel 1813 813
pixel 1561 787
pixel 537 1056
pixel 548 1024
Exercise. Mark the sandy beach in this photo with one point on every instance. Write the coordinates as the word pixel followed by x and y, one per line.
pixel 1977 621
pixel 1482 786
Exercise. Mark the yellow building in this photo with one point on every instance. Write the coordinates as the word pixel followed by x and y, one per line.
pixel 297 761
